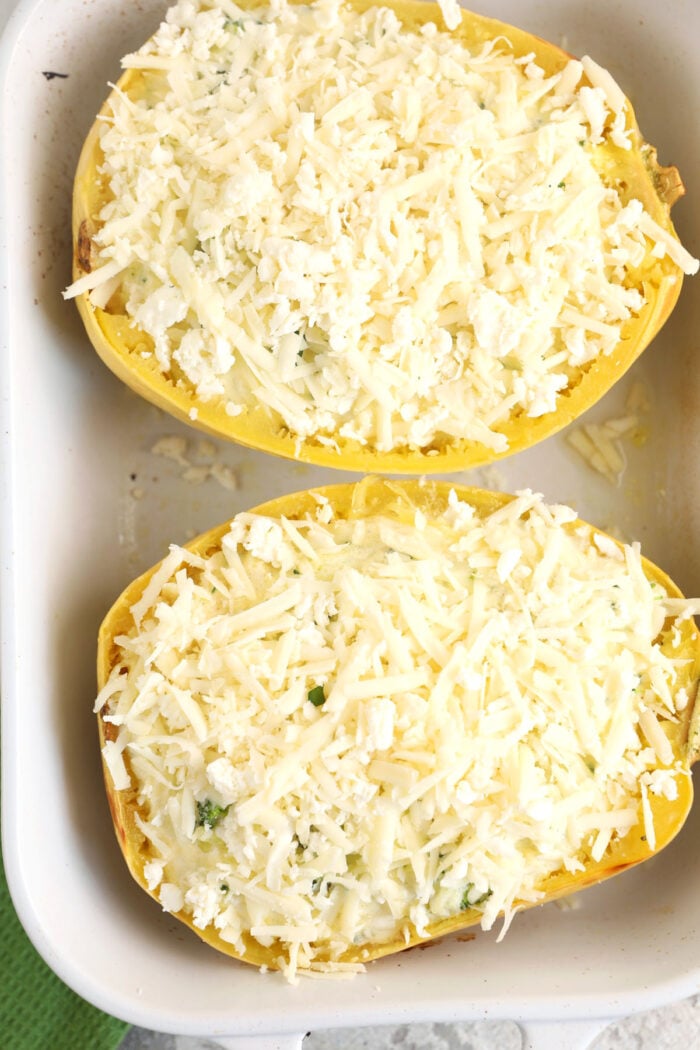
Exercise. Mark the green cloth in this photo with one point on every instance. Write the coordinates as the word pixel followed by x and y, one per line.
pixel 37 1010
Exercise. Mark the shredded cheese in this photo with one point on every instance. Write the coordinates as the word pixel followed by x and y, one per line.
pixel 341 732
pixel 601 444
pixel 377 233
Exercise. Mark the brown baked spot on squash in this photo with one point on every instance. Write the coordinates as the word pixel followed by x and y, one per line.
pixel 667 181
pixel 115 810
pixel 83 248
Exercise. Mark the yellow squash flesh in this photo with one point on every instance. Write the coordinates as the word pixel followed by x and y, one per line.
pixel 634 172
pixel 399 499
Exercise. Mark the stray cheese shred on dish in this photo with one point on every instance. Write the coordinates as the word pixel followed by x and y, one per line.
pixel 342 731
pixel 374 232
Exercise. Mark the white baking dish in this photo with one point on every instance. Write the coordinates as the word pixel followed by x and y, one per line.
pixel 86 505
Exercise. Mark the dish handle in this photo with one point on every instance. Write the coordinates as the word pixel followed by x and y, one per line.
pixel 561 1035
pixel 291 1041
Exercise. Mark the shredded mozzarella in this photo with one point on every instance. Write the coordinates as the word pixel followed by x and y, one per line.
pixel 377 233
pixel 341 732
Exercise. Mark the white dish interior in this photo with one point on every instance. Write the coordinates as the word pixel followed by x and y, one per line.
pixel 87 505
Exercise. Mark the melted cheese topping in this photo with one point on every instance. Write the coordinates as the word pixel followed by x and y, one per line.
pixel 341 732
pixel 374 232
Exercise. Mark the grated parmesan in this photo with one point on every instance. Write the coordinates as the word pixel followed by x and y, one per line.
pixel 375 232
pixel 343 731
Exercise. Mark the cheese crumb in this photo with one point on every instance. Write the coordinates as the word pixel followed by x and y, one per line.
pixel 451 13
pixel 190 457
pixel 601 444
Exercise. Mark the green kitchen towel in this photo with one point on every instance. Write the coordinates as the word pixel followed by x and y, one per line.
pixel 37 1010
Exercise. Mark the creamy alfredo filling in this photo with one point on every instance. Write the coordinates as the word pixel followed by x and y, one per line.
pixel 341 732
pixel 377 233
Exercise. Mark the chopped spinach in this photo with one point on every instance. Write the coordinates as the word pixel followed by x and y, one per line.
pixel 210 813
pixel 317 695
pixel 468 902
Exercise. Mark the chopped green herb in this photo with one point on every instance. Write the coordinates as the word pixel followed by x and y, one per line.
pixel 305 342
pixel 561 185
pixel 224 887
pixel 467 901
pixel 316 695
pixel 210 813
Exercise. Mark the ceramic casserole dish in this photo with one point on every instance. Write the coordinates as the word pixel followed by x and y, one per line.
pixel 96 483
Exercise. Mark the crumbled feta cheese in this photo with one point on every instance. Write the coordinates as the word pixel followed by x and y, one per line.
pixel 153 873
pixel 171 897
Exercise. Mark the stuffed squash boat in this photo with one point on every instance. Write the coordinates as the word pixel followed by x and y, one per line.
pixel 360 717
pixel 344 233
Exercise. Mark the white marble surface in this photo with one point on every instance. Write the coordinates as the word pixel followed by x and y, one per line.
pixel 674 1027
